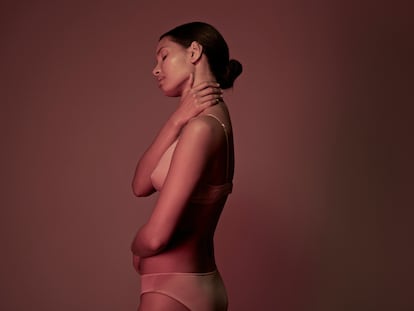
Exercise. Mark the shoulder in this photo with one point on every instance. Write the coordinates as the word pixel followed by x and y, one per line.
pixel 201 130
pixel 201 125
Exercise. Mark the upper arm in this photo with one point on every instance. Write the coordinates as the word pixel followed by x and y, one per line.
pixel 188 163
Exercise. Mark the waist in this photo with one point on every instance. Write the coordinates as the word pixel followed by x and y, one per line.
pixel 210 194
pixel 185 258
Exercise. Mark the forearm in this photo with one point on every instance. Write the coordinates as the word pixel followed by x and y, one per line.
pixel 141 183
pixel 146 244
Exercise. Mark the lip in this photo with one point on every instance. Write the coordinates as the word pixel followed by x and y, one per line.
pixel 160 81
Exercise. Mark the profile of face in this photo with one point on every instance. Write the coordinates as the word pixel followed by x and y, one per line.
pixel 173 66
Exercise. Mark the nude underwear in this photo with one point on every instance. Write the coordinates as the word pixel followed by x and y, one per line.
pixel 196 291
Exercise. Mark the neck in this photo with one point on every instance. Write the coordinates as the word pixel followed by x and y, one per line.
pixel 202 71
pixel 198 78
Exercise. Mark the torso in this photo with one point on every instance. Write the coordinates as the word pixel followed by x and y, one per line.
pixel 191 248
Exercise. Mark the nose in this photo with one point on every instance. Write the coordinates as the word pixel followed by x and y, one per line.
pixel 156 71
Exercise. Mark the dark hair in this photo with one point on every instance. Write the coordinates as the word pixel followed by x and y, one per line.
pixel 225 70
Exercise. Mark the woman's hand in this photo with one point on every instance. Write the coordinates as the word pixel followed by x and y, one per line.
pixel 135 262
pixel 195 99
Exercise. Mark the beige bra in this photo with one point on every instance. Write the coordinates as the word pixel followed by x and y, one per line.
pixel 204 193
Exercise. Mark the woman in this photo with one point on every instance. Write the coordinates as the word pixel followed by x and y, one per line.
pixel 191 164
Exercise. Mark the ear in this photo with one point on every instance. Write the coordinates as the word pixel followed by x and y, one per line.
pixel 195 50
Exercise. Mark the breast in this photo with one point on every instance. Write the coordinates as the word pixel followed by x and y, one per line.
pixel 159 174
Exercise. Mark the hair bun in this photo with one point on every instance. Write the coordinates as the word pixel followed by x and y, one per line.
pixel 234 69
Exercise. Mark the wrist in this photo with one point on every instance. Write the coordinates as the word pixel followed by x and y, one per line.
pixel 176 122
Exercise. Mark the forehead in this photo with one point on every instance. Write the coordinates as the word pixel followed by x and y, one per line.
pixel 166 42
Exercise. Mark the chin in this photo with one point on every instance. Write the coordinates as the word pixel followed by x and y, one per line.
pixel 171 92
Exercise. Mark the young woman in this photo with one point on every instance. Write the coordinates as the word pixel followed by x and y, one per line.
pixel 191 164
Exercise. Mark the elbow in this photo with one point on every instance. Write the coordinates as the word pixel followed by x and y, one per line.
pixel 148 247
pixel 155 246
pixel 140 191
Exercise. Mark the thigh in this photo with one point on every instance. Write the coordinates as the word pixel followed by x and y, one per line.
pixel 160 302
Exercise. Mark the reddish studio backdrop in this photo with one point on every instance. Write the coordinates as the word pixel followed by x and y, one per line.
pixel 319 216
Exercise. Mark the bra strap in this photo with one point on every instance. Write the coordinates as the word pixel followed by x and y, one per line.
pixel 227 143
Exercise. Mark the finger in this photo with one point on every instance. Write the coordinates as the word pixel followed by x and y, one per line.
pixel 210 97
pixel 135 262
pixel 210 91
pixel 206 94
pixel 210 101
pixel 205 84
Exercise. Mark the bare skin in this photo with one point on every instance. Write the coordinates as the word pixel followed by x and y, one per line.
pixel 178 236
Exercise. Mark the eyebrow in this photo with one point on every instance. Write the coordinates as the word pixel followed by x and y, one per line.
pixel 159 50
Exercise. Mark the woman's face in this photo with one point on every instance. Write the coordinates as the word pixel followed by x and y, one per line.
pixel 173 67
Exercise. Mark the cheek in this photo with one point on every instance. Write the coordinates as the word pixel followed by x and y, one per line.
pixel 178 62
pixel 173 85
pixel 176 73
